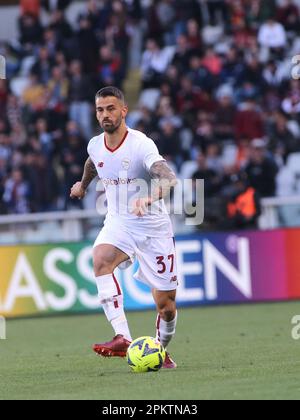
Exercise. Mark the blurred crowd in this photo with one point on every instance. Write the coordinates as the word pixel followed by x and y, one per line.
pixel 47 102
pixel 219 95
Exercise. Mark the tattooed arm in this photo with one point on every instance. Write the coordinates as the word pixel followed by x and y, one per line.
pixel 166 180
pixel 165 177
pixel 90 172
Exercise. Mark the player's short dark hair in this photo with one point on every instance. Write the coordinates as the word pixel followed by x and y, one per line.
pixel 110 91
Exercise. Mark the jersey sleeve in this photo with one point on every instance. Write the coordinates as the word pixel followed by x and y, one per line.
pixel 89 148
pixel 150 154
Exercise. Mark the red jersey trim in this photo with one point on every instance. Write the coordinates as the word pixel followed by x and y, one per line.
pixel 117 285
pixel 116 148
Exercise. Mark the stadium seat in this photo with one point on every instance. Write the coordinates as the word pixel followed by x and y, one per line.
pixel 187 169
pixel 133 118
pixel 229 155
pixel 149 98
pixel 18 85
pixel 26 66
pixel 285 182
pixel 293 163
pixel 212 34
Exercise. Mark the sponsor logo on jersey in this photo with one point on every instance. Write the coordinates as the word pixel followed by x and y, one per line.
pixel 100 164
pixel 119 181
pixel 126 164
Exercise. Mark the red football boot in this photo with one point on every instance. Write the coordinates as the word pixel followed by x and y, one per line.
pixel 117 347
pixel 169 363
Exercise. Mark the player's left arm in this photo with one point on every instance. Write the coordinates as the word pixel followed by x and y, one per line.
pixel 165 179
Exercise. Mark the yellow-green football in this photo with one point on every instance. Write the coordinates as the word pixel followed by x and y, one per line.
pixel 145 354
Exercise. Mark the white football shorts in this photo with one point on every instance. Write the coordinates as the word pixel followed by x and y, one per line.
pixel 156 256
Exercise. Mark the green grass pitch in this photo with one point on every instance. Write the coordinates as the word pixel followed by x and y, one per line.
pixel 231 352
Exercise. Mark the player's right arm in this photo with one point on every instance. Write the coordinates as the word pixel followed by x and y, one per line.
pixel 159 171
pixel 166 180
pixel 90 172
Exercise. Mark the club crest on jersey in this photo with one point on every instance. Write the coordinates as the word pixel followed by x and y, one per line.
pixel 100 164
pixel 126 164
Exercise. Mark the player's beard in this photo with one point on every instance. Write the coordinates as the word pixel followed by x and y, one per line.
pixel 112 128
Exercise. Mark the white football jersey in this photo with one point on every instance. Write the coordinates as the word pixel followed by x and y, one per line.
pixel 124 173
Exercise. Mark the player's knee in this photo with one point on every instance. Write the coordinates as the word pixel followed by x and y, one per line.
pixel 168 312
pixel 103 262
pixel 102 267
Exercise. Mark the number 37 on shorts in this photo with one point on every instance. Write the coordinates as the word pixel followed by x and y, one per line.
pixel 158 266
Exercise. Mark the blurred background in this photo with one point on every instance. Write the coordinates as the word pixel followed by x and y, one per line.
pixel 213 82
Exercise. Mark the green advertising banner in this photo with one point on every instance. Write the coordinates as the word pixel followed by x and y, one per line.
pixel 46 279
pixel 212 269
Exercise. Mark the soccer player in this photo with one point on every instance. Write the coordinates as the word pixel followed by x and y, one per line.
pixel 135 225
